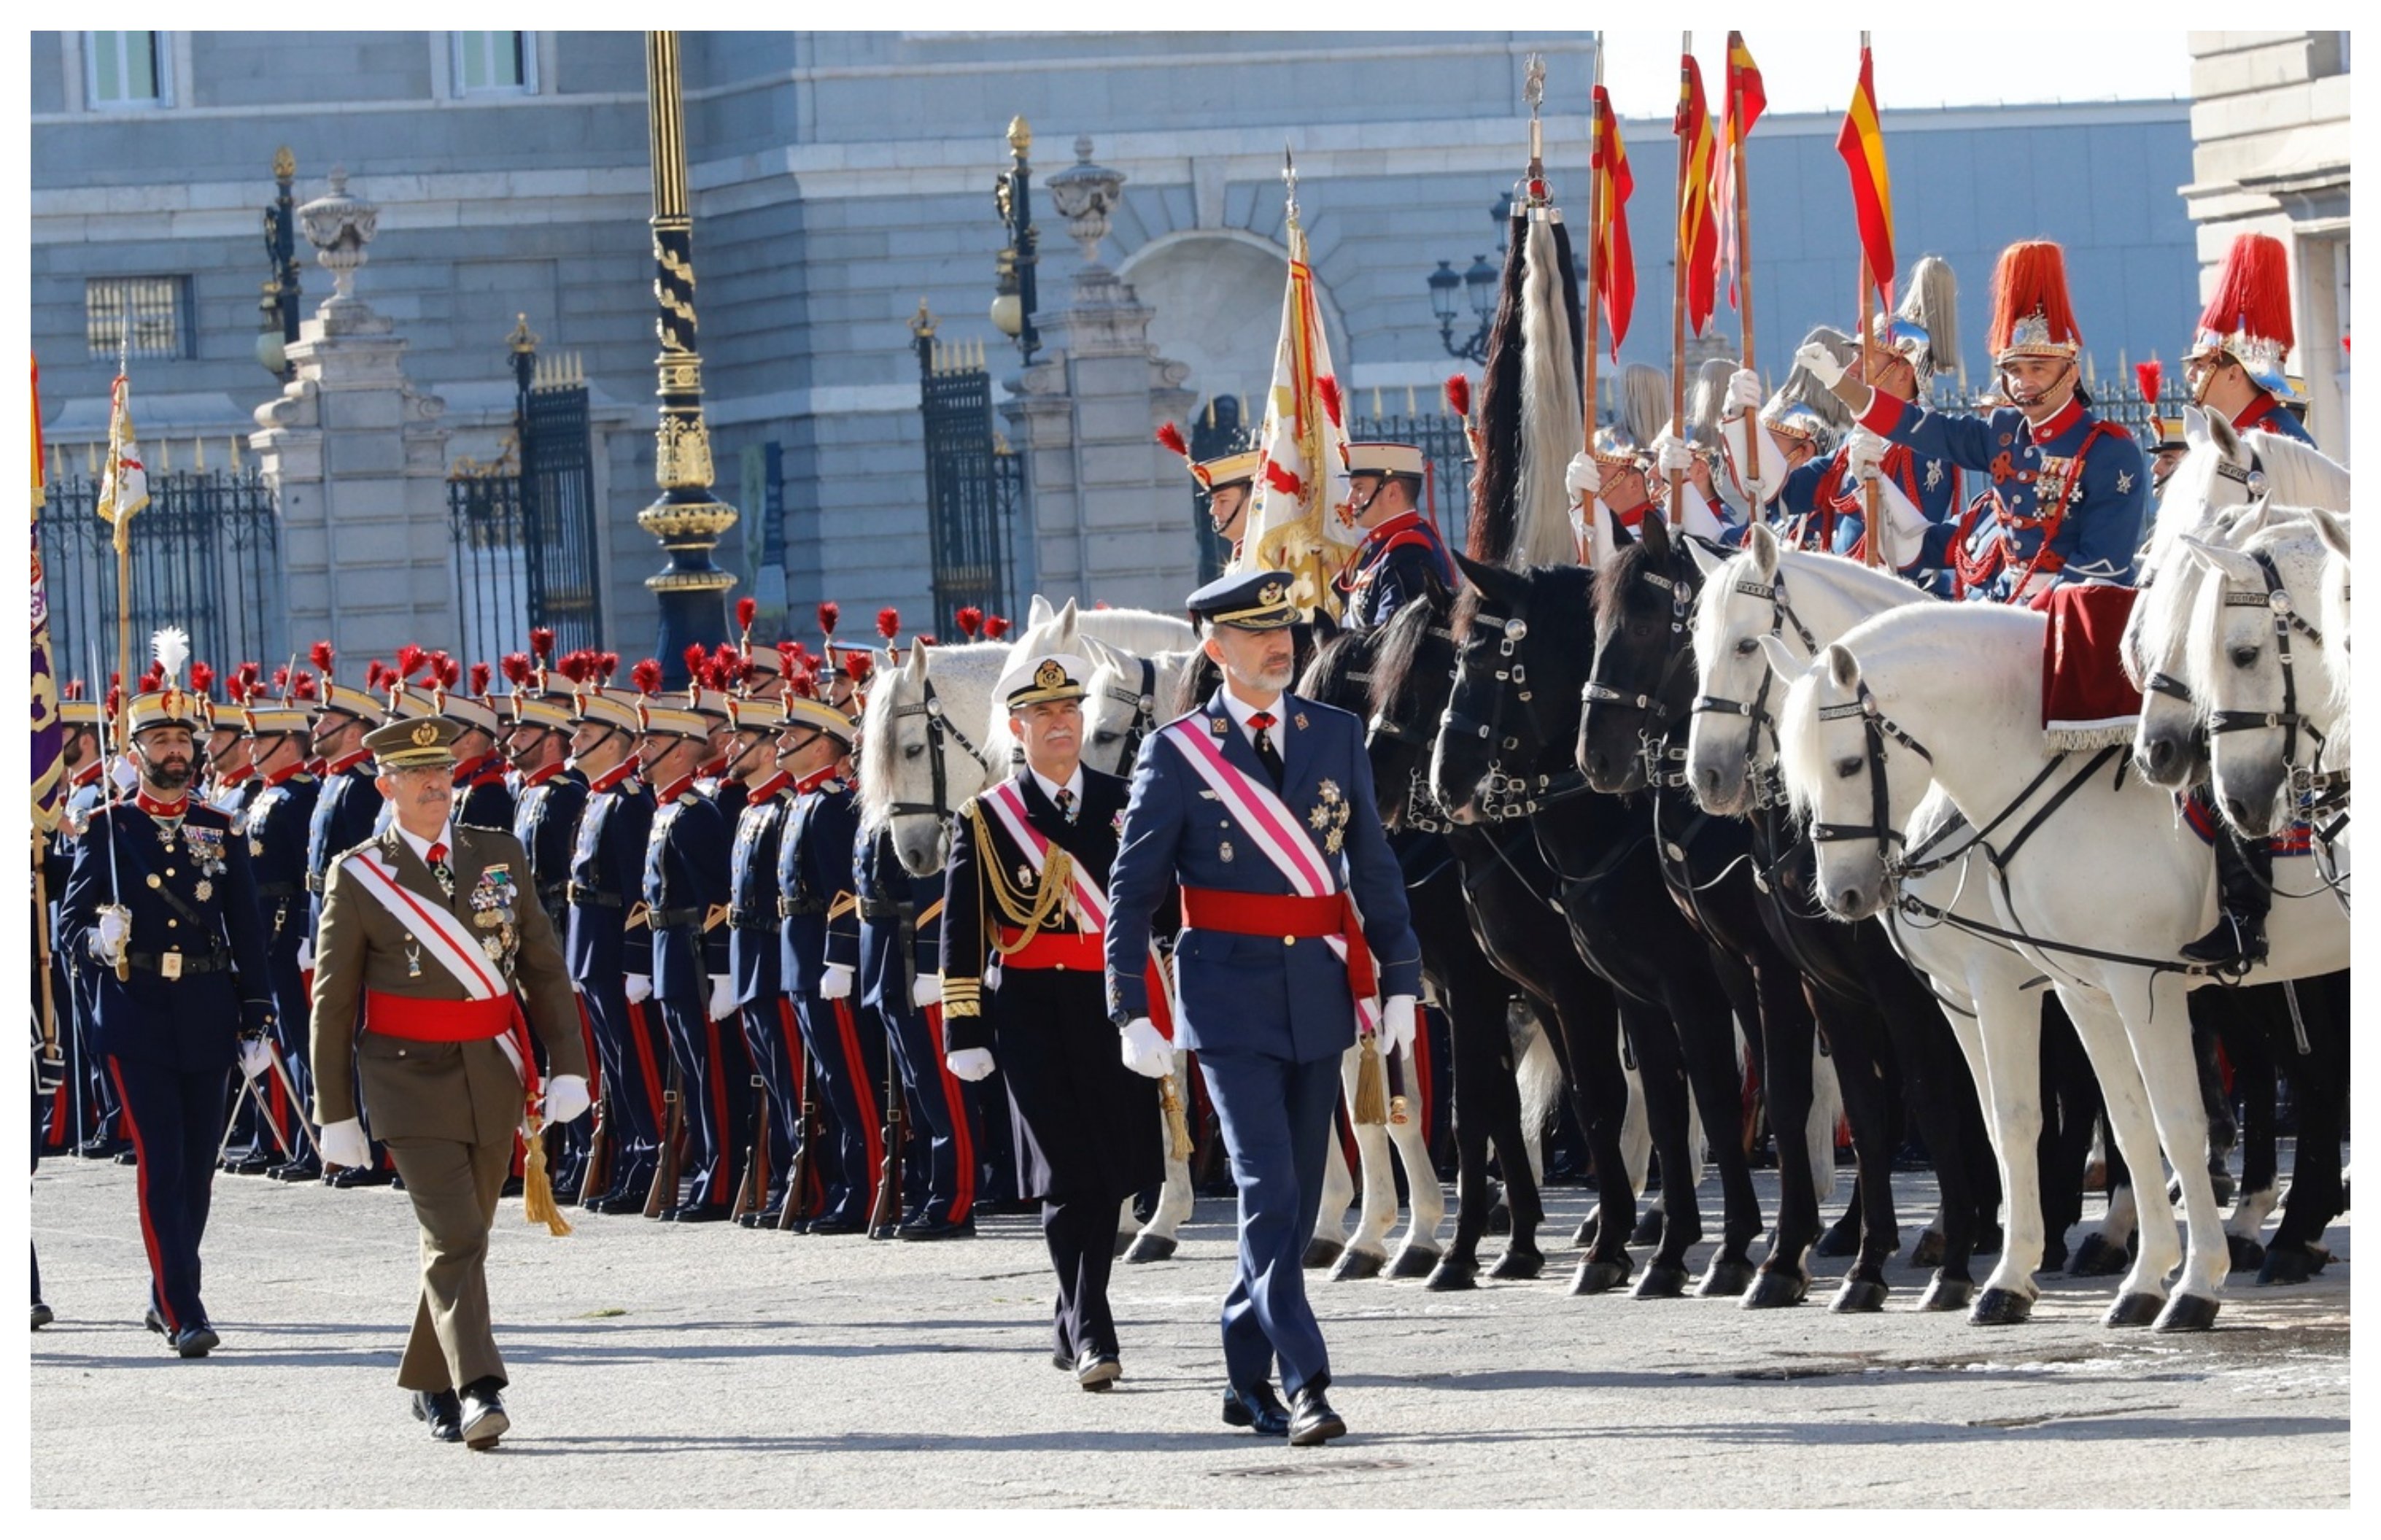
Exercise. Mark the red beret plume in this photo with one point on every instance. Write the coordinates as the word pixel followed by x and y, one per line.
pixel 409 659
pixel 829 612
pixel 303 687
pixel 321 654
pixel 646 675
pixel 2252 292
pixel 541 641
pixel 888 622
pixel 373 669
pixel 1458 394
pixel 697 664
pixel 74 689
pixel 728 656
pixel 480 674
pixel 995 627
pixel 515 669
pixel 152 679
pixel 115 699
pixel 281 678
pixel 250 672
pixel 1171 437
pixel 802 684
pixel 577 665
pixel 971 621
pixel 1328 388
pixel 857 667
pixel 746 608
pixel 446 670
pixel 2152 375
pixel 2031 276
pixel 203 678
pixel 789 657
pixel 925 639
pixel 607 665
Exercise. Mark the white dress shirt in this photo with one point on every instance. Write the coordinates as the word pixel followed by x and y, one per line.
pixel 1241 711
pixel 1050 789
pixel 421 847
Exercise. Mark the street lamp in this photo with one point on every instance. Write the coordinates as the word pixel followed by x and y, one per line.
pixel 277 307
pixel 1477 288
pixel 1014 300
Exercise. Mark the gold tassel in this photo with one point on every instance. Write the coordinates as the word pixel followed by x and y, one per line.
pixel 1178 1127
pixel 537 1187
pixel 1372 1086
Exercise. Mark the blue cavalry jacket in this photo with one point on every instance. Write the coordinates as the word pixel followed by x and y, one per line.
pixel 813 875
pixel 1255 994
pixel 545 821
pixel 867 936
pixel 346 813
pixel 605 878
pixel 686 876
pixel 754 951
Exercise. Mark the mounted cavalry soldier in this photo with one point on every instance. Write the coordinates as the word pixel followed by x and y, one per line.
pixel 1259 805
pixel 1228 482
pixel 1401 555
pixel 427 933
pixel 1021 958
pixel 160 916
pixel 2239 362
pixel 2066 491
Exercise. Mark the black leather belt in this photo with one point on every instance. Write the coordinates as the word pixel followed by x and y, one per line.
pixel 278 889
pixel 751 918
pixel 190 963
pixel 672 919
pixel 884 912
pixel 788 907
pixel 583 895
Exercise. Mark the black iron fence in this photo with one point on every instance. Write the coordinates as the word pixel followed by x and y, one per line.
pixel 975 483
pixel 205 555
pixel 522 527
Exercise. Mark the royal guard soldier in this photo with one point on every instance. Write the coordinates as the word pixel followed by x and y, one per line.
pixel 275 824
pixel 610 958
pixel 815 892
pixel 2239 363
pixel 772 1039
pixel 1259 805
pixel 685 899
pixel 2067 490
pixel 709 678
pixel 1612 482
pixel 160 913
pixel 1227 482
pixel 82 1113
pixel 1026 912
pixel 223 760
pixel 1801 473
pixel 483 797
pixel 2165 440
pixel 347 810
pixel 431 940
pixel 1401 555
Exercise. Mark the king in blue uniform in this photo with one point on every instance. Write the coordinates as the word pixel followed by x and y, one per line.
pixel 1267 1001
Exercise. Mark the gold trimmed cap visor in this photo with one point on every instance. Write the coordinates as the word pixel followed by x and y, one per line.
pixel 1042 677
pixel 1251 600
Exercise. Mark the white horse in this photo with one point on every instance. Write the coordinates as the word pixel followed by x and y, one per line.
pixel 1807 600
pixel 2102 904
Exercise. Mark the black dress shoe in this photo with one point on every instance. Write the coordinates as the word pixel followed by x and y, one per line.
pixel 617 1202
pixel 512 1188
pixel 360 1175
pixel 2234 943
pixel 99 1147
pixel 1063 1360
pixel 442 1410
pixel 195 1340
pixel 42 1316
pixel 1097 1369
pixel 154 1322
pixel 1259 1410
pixel 249 1165
pixel 483 1415
pixel 126 1157
pixel 833 1225
pixel 294 1170
pixel 947 1230
pixel 1312 1421
pixel 700 1214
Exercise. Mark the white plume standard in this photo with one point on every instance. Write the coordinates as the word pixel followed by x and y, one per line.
pixel 172 646
pixel 1551 428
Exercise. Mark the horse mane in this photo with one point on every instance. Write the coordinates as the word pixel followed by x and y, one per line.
pixel 1611 582
pixel 1400 644
pixel 2297 473
pixel 1202 677
pixel 1325 678
pixel 1139 631
pixel 1493 523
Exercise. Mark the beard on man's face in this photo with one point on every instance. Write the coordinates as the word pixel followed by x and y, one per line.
pixel 171 774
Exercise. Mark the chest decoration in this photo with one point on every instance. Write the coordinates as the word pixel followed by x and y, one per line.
pixel 1328 816
pixel 206 847
pixel 492 898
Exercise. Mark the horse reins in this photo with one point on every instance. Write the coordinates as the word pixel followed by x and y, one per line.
pixel 939 728
pixel 1508 796
pixel 1767 788
pixel 1144 713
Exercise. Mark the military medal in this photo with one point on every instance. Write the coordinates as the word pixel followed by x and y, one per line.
pixel 413 959
pixel 494 946
pixel 1223 851
pixel 204 891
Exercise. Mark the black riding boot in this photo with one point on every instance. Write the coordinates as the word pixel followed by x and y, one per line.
pixel 2245 891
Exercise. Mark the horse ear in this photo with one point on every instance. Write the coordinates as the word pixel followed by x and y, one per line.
pixel 2331 529
pixel 2194 427
pixel 1326 628
pixel 2225 439
pixel 1707 561
pixel 1621 538
pixel 1038 611
pixel 1655 536
pixel 915 666
pixel 1762 543
pixel 1480 574
pixel 1842 668
pixel 2260 515
pixel 2231 564
pixel 1065 618
pixel 1781 663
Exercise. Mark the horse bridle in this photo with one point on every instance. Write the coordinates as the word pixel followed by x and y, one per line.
pixel 1423 813
pixel 1143 702
pixel 2276 599
pixel 1769 789
pixel 939 728
pixel 1652 737
pixel 1876 727
pixel 1508 796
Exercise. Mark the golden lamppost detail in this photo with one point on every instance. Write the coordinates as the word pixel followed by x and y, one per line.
pixel 686 518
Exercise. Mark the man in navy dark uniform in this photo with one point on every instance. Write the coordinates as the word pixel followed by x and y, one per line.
pixel 549 794
pixel 1402 557
pixel 2067 490
pixel 686 898
pixel 484 798
pixel 276 822
pixel 160 912
pixel 1090 1125
pixel 753 953
pixel 1259 805
pixel 817 895
pixel 347 810
pixel 611 960
pixel 82 1111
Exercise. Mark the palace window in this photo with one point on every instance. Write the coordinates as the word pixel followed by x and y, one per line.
pixel 494 63
pixel 126 69
pixel 157 311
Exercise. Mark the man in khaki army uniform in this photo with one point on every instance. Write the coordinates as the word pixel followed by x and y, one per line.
pixel 427 930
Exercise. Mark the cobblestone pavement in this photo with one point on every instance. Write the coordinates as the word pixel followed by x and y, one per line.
pixel 660 1365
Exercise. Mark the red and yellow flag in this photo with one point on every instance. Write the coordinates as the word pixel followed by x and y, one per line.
pixel 1738 114
pixel 1614 269
pixel 1698 231
pixel 1861 143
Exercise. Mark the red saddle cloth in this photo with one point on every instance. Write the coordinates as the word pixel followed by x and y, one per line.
pixel 2086 700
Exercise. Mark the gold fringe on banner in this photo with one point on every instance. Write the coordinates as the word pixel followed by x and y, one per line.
pixel 537 1187
pixel 1372 1085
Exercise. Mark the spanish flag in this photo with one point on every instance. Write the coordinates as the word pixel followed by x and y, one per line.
pixel 1741 110
pixel 1614 269
pixel 1698 232
pixel 1861 143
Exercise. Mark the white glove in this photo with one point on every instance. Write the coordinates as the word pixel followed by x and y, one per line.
pixel 566 1099
pixel 639 987
pixel 925 990
pixel 1397 1020
pixel 723 996
pixel 343 1144
pixel 1581 477
pixel 968 1064
pixel 1816 357
pixel 1673 456
pixel 255 1058
pixel 107 938
pixel 1145 1050
pixel 836 984
pixel 123 773
pixel 1905 527
pixel 1744 391
pixel 1866 451
pixel 305 954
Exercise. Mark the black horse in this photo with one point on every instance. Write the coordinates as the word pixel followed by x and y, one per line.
pixel 1504 752
pixel 1748 889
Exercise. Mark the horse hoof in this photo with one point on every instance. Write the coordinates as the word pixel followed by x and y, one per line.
pixel 2133 1310
pixel 2001 1307
pixel 2287 1265
pixel 1776 1290
pixel 1841 1239
pixel 1123 1243
pixel 2247 1254
pixel 1649 1228
pixel 1500 1218
pixel 1858 1297
pixel 1586 1234
pixel 1450 1275
pixel 1152 1248
pixel 1517 1264
pixel 1598 1278
pixel 1725 1280
pixel 2188 1313
pixel 1355 1267
pixel 1928 1252
pixel 1413 1262
pixel 2098 1257
pixel 1662 1280
pixel 1947 1294
pixel 1321 1252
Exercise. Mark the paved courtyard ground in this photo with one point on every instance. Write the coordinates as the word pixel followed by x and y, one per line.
pixel 683 1366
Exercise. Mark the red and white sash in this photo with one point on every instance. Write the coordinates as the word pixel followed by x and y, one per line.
pixel 444 939
pixel 1009 808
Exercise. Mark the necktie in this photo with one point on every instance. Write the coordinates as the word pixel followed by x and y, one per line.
pixel 1267 755
pixel 1067 804
pixel 439 869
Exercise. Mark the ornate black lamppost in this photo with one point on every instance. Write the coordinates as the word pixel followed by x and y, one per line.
pixel 1013 295
pixel 277 307
pixel 1449 290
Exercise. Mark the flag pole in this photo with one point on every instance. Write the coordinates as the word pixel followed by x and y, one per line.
pixel 1595 216
pixel 122 522
pixel 1678 287
pixel 1743 257
pixel 1871 541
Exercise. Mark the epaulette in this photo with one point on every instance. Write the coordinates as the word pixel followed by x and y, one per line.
pixel 689 798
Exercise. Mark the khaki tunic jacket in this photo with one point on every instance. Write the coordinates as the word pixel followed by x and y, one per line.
pixel 467 1091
